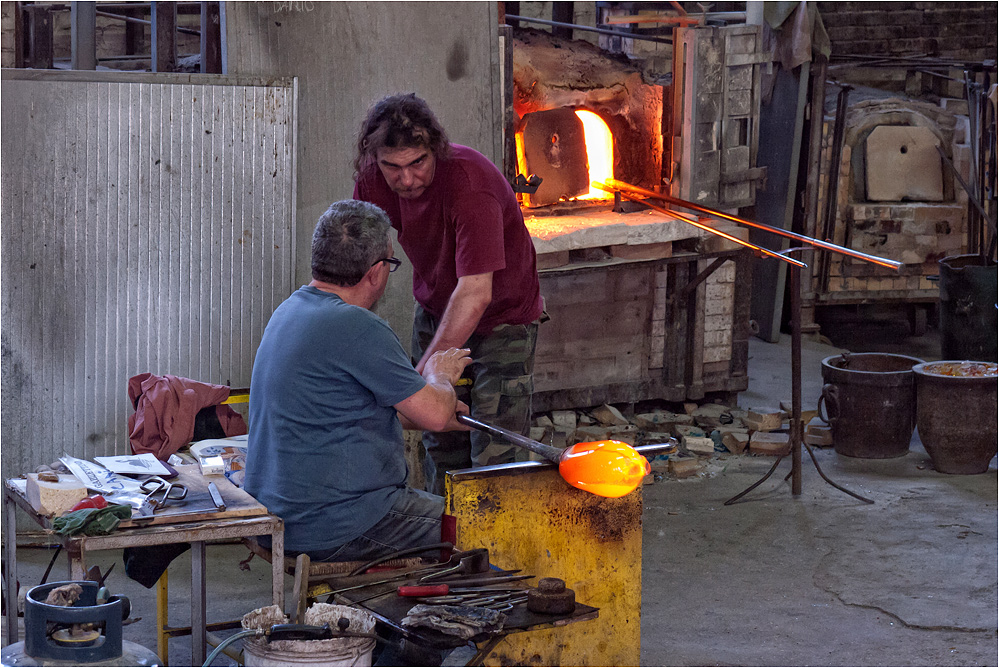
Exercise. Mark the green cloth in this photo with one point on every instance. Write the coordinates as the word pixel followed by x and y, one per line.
pixel 91 521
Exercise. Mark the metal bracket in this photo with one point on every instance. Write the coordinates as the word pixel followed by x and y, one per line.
pixel 529 185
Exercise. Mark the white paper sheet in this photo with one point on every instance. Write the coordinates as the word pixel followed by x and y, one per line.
pixel 144 464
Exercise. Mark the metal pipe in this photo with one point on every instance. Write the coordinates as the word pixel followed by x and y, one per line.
pixel 707 228
pixel 832 187
pixel 133 19
pixel 796 429
pixel 549 452
pixel 891 264
pixel 602 31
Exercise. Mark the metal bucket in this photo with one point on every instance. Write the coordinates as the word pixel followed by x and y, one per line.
pixel 870 403
pixel 347 651
pixel 957 417
pixel 968 295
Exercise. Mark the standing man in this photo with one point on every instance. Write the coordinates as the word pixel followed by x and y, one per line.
pixel 475 277
pixel 330 384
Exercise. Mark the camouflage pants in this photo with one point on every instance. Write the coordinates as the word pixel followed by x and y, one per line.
pixel 497 387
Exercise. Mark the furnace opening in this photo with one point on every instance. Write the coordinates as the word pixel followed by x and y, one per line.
pixel 568 149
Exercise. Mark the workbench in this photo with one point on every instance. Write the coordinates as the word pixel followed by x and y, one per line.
pixel 390 609
pixel 185 522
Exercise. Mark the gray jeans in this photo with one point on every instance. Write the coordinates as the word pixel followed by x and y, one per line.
pixel 413 520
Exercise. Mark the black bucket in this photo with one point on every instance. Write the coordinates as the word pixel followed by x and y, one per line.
pixel 870 403
pixel 968 296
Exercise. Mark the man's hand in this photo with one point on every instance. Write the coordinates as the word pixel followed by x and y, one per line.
pixel 433 408
pixel 447 365
pixel 453 425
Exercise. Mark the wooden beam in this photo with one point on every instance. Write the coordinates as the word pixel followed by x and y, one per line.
pixel 38 19
pixel 211 38
pixel 164 36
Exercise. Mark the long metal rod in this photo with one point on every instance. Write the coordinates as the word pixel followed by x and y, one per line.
pixel 133 19
pixel 549 452
pixel 796 426
pixel 602 31
pixel 693 221
pixel 621 185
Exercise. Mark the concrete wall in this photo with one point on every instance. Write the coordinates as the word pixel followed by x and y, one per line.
pixel 348 55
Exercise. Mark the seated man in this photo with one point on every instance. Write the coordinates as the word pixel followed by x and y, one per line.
pixel 331 389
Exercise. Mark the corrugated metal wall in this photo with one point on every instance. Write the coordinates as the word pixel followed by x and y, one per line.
pixel 148 225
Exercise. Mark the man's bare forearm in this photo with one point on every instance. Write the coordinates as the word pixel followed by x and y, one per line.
pixel 464 311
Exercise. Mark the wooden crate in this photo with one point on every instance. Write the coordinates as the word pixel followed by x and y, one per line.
pixel 628 331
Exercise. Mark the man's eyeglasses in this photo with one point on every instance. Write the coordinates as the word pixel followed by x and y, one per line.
pixel 393 262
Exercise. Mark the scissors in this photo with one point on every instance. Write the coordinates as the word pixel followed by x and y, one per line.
pixel 165 490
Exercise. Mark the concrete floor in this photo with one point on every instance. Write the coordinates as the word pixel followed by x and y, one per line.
pixel 820 579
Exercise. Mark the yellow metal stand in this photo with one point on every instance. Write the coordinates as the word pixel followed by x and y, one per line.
pixel 529 518
pixel 162 639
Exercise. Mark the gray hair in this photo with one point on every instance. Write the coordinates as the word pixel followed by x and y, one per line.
pixel 349 238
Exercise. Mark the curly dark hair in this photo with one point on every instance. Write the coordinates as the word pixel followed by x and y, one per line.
pixel 399 121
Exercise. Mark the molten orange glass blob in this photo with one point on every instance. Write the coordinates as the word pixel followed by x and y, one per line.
pixel 605 468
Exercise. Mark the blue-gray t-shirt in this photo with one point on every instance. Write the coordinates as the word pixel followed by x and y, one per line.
pixel 326 451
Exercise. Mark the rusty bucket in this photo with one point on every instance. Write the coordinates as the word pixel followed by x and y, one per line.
pixel 957 414
pixel 870 403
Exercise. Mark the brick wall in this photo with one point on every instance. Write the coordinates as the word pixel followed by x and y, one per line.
pixel 959 30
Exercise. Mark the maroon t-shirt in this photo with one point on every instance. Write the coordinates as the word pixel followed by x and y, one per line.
pixel 467 222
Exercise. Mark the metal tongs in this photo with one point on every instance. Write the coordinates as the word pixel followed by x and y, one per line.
pixel 158 492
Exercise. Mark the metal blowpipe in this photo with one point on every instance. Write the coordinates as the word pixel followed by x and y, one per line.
pixel 613 184
pixel 696 223
pixel 549 452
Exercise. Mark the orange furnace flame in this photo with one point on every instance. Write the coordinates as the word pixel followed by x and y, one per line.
pixel 599 152
pixel 606 468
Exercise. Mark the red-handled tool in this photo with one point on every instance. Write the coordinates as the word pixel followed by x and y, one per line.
pixel 423 590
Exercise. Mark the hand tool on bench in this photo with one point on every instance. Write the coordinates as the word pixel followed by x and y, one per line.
pixel 401 553
pixel 605 468
pixel 413 591
pixel 455 560
pixel 167 491
pixel 468 563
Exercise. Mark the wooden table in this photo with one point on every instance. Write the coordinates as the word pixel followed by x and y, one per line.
pixel 194 521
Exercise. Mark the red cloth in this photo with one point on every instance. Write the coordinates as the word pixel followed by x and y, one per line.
pixel 467 222
pixel 165 408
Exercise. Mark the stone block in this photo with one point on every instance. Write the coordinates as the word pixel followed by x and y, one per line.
pixel 684 467
pixel 903 163
pixel 956 106
pixel 590 433
pixel 769 443
pixel 653 437
pixel 608 415
pixel 685 430
pixel 552 260
pixel 735 441
pixel 716 244
pixel 764 419
pixel 819 435
pixel 700 445
pixel 661 420
pixel 565 422
pixel 654 251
